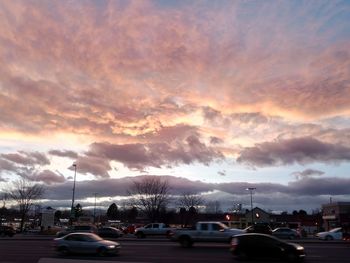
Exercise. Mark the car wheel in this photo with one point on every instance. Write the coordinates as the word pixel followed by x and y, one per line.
pixel 328 238
pixel 102 251
pixel 241 255
pixel 140 235
pixel 63 251
pixel 291 257
pixel 186 242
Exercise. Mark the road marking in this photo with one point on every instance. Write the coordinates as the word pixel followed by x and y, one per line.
pixel 61 260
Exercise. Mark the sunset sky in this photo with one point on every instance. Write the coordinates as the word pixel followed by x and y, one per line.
pixel 216 96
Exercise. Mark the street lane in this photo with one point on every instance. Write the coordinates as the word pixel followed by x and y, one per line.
pixel 31 251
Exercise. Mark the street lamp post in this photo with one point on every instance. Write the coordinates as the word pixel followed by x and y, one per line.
pixel 251 189
pixel 73 196
pixel 95 208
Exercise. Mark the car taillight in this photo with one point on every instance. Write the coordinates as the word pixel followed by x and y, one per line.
pixel 234 243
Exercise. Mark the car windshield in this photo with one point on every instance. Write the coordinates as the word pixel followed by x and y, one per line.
pixel 223 226
pixel 335 230
pixel 92 238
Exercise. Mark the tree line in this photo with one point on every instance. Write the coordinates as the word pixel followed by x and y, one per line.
pixel 149 197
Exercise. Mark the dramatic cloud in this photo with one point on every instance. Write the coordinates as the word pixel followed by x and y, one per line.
pixel 307 173
pixel 140 156
pixel 175 87
pixel 291 196
pixel 26 158
pixel 47 177
pixel 69 154
pixel 95 165
pixel 6 166
pixel 299 150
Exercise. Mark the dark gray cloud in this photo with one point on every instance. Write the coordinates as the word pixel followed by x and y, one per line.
pixel 140 156
pixel 215 140
pixel 67 153
pixel 250 117
pixel 98 166
pixel 47 177
pixel 298 150
pixel 308 193
pixel 308 173
pixel 320 186
pixel 222 173
pixel 26 158
pixel 6 165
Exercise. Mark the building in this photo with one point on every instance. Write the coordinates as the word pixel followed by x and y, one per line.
pixel 259 216
pixel 336 214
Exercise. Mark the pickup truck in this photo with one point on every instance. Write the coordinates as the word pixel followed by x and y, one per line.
pixel 204 232
pixel 153 229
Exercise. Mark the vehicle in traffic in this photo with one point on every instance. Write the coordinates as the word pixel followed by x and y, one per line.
pixel 77 228
pixel 204 232
pixel 85 243
pixel 263 246
pixel 259 228
pixel 334 234
pixel 7 231
pixel 110 232
pixel 285 233
pixel 153 229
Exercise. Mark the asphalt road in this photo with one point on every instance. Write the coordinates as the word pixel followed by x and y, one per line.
pixel 34 250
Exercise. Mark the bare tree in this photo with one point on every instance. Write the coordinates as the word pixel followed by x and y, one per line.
pixel 25 193
pixel 189 204
pixel 188 200
pixel 150 195
pixel 3 209
pixel 213 207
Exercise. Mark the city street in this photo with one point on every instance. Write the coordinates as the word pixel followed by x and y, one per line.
pixel 158 251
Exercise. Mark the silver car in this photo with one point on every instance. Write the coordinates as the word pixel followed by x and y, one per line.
pixel 87 243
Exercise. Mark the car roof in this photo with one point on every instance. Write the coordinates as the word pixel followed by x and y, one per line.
pixel 254 235
pixel 81 233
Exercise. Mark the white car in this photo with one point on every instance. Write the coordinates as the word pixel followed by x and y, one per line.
pixel 335 233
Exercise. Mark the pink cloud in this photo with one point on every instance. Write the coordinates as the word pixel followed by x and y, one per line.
pixel 48 177
pixel 296 150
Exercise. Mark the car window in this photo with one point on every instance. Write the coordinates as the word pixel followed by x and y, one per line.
pixel 72 238
pixel 335 230
pixel 217 227
pixel 155 225
pixel 148 226
pixel 204 227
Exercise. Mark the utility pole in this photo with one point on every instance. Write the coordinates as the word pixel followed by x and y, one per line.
pixel 251 189
pixel 95 194
pixel 72 212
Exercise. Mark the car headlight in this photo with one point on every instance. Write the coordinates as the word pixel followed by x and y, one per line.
pixel 111 246
pixel 300 248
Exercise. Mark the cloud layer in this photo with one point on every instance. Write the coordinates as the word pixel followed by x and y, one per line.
pixel 315 190
pixel 143 85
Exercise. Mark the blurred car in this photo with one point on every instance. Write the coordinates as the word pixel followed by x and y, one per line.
pixel 334 234
pixel 77 228
pixel 262 246
pixel 111 232
pixel 85 243
pixel 7 231
pixel 346 236
pixel 259 228
pixel 285 233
